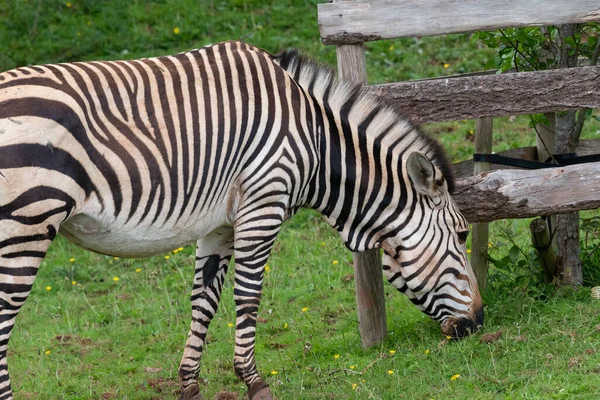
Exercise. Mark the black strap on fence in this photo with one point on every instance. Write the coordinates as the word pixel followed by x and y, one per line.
pixel 561 160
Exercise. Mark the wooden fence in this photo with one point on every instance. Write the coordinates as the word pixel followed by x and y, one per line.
pixel 508 193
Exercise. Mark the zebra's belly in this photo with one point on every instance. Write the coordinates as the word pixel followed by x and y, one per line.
pixel 129 241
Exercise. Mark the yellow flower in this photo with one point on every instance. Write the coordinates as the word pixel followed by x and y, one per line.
pixel 352 366
pixel 336 356
pixel 448 337
pixel 138 270
pixel 89 23
pixel 446 65
pixel 68 4
pixel 322 243
pixel 471 132
pixel 73 283
pixel 78 33
pixel 285 325
pixel 334 262
pixel 390 372
pixel 48 288
pixel 176 30
pixel 454 377
pixel 274 372
pixel 304 309
pixel 116 258
pixel 72 259
pixel 468 251
pixel 354 385
pixel 180 249
pixel 116 279
pixel 490 245
pixel 167 257
pixel 391 48
pixel 267 268
pixel 427 352
pixel 230 325
pixel 392 352
pixel 47 352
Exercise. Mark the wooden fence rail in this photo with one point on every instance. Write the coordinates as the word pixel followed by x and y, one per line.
pixel 355 22
pixel 452 99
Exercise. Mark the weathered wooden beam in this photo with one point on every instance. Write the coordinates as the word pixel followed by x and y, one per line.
pixel 464 169
pixel 514 193
pixel 494 95
pixel 363 21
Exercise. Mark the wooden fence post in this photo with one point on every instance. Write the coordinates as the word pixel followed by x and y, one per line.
pixel 480 231
pixel 368 276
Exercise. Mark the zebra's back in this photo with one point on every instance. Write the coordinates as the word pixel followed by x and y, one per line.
pixel 154 149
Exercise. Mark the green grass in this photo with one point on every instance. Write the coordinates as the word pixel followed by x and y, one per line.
pixel 117 339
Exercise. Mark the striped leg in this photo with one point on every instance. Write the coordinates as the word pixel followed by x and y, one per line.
pixel 212 259
pixel 255 234
pixel 22 248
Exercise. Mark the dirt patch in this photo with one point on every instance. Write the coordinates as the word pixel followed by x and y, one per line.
pixel 160 385
pixel 491 337
pixel 224 395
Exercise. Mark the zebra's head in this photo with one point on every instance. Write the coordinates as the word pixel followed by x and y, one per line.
pixel 427 258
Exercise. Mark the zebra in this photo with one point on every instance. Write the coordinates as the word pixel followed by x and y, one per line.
pixel 220 146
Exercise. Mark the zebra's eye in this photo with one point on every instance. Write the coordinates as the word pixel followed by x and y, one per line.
pixel 462 236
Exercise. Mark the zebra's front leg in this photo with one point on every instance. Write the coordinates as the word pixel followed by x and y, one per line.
pixel 255 234
pixel 22 249
pixel 213 253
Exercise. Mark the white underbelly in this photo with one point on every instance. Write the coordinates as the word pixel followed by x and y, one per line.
pixel 119 240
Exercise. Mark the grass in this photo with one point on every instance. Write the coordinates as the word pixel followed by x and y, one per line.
pixel 85 335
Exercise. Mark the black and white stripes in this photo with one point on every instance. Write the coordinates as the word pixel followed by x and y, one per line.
pixel 220 145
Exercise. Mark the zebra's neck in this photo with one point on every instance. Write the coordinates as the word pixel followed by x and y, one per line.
pixel 361 187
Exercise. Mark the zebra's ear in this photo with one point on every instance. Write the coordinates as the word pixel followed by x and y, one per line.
pixel 422 173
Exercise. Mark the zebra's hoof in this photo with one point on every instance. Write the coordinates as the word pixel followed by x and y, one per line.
pixel 260 391
pixel 191 393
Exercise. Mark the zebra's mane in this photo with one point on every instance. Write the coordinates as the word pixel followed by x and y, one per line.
pixel 321 82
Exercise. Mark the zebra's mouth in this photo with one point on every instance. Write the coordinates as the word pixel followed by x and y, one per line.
pixel 458 328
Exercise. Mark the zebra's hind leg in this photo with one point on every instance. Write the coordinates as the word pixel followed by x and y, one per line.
pixel 213 253
pixel 22 249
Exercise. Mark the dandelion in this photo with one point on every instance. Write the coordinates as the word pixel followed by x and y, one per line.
pixel 78 33
pixel 392 352
pixel 68 5
pixel 116 279
pixel 490 245
pixel 48 288
pixel 468 251
pixel 448 337
pixel 274 372
pixel 47 352
pixel 336 356
pixel 267 269
pixel 167 257
pixel 89 23
pixel 390 372
pixel 116 258
pixel 285 325
pixel 176 30
pixel 138 270
pixel 391 48
pixel 72 259
pixel 230 325
pixel 354 386
pixel 73 283
pixel 454 377
pixel 427 352
pixel 352 366
pixel 471 132
pixel 335 262
pixel 180 249
pixel 304 309
pixel 446 65
pixel 323 244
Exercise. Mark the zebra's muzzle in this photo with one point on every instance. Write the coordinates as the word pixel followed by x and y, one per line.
pixel 460 327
